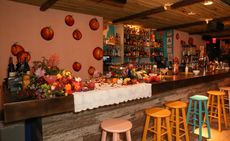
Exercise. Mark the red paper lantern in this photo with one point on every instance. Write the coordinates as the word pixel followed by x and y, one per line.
pixel 98 53
pixel 91 70
pixel 23 55
pixel 69 20
pixel 76 66
pixel 94 24
pixel 15 49
pixel 47 33
pixel 77 34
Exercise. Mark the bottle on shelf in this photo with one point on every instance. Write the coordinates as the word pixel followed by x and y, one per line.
pixel 11 68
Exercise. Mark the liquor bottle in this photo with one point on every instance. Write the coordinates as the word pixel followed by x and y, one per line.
pixel 26 67
pixel 11 69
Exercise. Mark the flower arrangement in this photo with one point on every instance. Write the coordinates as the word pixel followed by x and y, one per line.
pixel 48 81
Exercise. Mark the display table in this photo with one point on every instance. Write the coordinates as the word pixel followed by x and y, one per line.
pixel 112 95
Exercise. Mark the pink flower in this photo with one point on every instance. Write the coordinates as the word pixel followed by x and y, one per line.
pixel 40 72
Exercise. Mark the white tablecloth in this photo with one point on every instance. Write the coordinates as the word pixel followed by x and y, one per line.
pixel 96 98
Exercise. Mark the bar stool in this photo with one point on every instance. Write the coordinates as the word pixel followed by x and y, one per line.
pixel 202 100
pixel 116 126
pixel 176 107
pixel 227 90
pixel 159 115
pixel 219 107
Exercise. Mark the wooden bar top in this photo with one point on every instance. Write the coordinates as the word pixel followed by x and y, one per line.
pixel 16 111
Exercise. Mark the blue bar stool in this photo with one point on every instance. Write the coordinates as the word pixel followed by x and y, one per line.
pixel 198 122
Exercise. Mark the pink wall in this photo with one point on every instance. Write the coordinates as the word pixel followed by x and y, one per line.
pixel 185 36
pixel 22 23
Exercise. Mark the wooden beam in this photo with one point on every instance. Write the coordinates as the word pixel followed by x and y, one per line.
pixel 182 25
pixel 47 4
pixel 184 3
pixel 209 32
pixel 157 10
pixel 192 24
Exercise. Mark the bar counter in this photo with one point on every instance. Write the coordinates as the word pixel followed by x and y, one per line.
pixel 59 121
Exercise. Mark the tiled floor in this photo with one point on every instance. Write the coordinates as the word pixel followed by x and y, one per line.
pixel 215 134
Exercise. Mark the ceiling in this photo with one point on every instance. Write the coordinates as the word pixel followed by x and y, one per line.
pixel 156 14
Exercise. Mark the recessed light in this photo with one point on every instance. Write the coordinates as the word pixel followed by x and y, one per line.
pixel 208 2
pixel 191 13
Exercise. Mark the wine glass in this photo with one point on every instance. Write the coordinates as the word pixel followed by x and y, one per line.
pixel 163 72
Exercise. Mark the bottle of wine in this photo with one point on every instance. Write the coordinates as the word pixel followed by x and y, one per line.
pixel 11 69
pixel 26 67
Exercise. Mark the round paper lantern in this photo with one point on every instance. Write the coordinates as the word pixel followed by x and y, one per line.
pixel 91 70
pixel 23 55
pixel 69 20
pixel 77 34
pixel 15 49
pixel 98 53
pixel 76 66
pixel 94 24
pixel 47 33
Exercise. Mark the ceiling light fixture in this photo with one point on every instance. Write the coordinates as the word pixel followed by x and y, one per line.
pixel 208 20
pixel 167 6
pixel 208 2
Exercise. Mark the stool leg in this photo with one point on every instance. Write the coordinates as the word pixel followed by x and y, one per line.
pixel 194 116
pixel 223 107
pixel 189 110
pixel 212 98
pixel 168 129
pixel 219 113
pixel 118 137
pixel 128 136
pixel 158 129
pixel 146 128
pixel 229 101
pixel 172 119
pixel 185 125
pixel 177 125
pixel 200 120
pixel 115 135
pixel 155 128
pixel 207 120
pixel 104 133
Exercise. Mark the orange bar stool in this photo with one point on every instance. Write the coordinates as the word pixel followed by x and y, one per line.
pixel 227 90
pixel 219 107
pixel 116 126
pixel 161 125
pixel 178 117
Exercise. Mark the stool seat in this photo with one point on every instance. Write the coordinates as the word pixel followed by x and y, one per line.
pixel 158 112
pixel 176 104
pixel 199 97
pixel 161 126
pixel 216 92
pixel 116 125
pixel 225 88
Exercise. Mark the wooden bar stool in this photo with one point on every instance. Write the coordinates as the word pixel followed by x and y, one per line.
pixel 116 126
pixel 219 107
pixel 160 116
pixel 178 117
pixel 227 90
pixel 192 109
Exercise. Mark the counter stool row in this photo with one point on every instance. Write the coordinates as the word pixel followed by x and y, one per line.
pixel 172 120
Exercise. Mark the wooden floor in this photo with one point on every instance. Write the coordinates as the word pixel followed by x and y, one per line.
pixel 215 134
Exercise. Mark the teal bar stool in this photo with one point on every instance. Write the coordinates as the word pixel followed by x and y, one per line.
pixel 197 110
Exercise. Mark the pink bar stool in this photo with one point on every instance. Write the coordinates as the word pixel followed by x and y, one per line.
pixel 116 126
